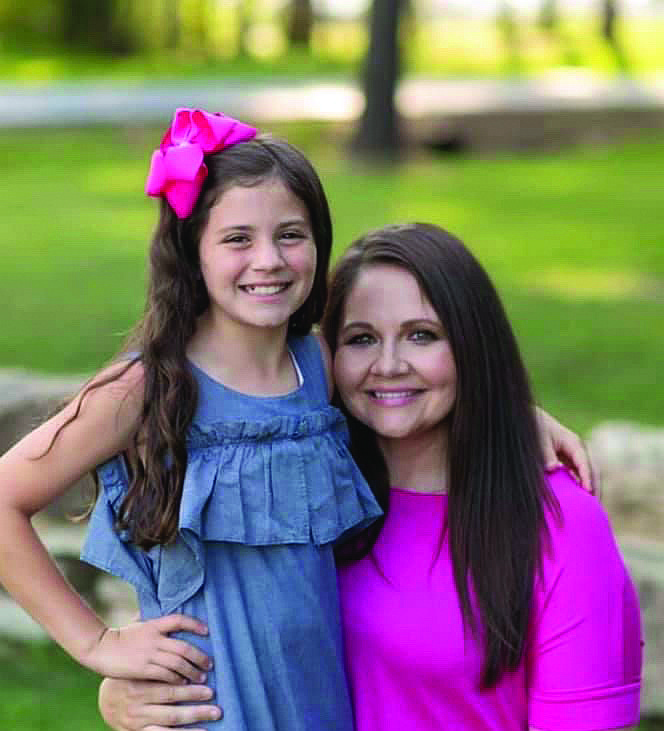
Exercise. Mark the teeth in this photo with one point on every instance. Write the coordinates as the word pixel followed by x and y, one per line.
pixel 265 290
pixel 392 394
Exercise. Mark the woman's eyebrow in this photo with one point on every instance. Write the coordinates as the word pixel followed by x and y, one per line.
pixel 422 321
pixel 356 324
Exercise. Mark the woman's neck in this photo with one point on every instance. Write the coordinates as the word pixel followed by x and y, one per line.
pixel 419 463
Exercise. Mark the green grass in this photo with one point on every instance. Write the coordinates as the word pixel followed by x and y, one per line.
pixel 572 239
pixel 42 689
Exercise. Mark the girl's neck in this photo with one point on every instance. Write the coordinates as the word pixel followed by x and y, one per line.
pixel 253 361
pixel 418 464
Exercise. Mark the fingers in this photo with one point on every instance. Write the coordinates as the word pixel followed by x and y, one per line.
pixel 180 623
pixel 168 716
pixel 170 661
pixel 151 693
pixel 189 652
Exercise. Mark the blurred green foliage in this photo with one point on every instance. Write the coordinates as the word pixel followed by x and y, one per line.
pixel 572 239
pixel 226 45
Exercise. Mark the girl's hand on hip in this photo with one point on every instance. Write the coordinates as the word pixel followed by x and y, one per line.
pixel 144 705
pixel 145 651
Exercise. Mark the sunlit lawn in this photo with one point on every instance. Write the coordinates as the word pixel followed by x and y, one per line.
pixel 574 241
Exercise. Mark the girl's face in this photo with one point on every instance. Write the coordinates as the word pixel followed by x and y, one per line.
pixel 257 256
pixel 394 366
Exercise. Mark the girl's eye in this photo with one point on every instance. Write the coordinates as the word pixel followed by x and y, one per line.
pixel 237 240
pixel 292 236
pixel 361 339
pixel 423 336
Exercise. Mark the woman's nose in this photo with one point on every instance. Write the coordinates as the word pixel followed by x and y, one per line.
pixel 389 362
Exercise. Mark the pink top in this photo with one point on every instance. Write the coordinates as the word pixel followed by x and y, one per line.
pixel 411 668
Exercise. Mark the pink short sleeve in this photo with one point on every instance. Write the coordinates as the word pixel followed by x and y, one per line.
pixel 584 657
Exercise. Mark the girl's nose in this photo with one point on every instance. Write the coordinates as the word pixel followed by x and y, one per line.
pixel 267 256
pixel 389 362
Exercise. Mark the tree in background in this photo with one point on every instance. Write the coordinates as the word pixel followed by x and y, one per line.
pixel 609 21
pixel 300 23
pixel 378 135
pixel 547 15
pixel 99 26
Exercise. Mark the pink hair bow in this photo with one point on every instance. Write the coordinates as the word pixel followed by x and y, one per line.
pixel 177 169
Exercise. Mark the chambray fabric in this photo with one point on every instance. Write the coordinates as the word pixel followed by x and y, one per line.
pixel 270 486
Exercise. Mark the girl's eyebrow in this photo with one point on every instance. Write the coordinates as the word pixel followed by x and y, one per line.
pixel 247 227
pixel 235 227
pixel 294 222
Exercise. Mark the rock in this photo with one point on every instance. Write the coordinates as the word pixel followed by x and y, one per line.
pixel 645 561
pixel 26 399
pixel 630 458
pixel 631 463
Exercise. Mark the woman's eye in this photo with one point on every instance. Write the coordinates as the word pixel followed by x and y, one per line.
pixel 424 336
pixel 361 339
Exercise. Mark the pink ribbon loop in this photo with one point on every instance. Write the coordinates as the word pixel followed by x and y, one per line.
pixel 177 168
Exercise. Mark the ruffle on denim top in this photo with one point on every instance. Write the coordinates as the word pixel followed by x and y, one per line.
pixel 288 479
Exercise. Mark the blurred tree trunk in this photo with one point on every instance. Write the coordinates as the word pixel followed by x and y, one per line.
pixel 244 20
pixel 609 16
pixel 96 26
pixel 378 135
pixel 199 29
pixel 547 16
pixel 300 23
pixel 172 24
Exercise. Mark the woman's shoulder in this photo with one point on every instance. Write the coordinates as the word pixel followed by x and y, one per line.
pixel 578 525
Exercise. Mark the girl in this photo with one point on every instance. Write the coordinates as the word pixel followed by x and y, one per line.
pixel 225 473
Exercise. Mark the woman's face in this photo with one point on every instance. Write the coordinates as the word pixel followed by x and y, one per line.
pixel 394 366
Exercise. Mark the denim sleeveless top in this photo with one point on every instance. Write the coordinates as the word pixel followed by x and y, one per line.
pixel 269 487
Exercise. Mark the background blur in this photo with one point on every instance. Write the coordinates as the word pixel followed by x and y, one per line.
pixel 532 129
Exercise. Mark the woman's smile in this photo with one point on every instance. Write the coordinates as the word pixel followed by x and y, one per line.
pixel 394 366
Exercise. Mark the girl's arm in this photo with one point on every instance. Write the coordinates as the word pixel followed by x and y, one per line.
pixel 562 446
pixel 135 705
pixel 32 474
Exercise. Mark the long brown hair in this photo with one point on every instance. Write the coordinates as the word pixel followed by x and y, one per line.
pixel 497 492
pixel 176 296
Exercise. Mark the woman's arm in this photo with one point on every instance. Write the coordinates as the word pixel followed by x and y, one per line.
pixel 584 657
pixel 135 705
pixel 32 474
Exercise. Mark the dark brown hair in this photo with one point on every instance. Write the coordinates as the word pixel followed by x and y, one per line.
pixel 497 492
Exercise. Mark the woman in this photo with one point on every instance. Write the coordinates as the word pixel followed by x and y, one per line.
pixel 492 596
